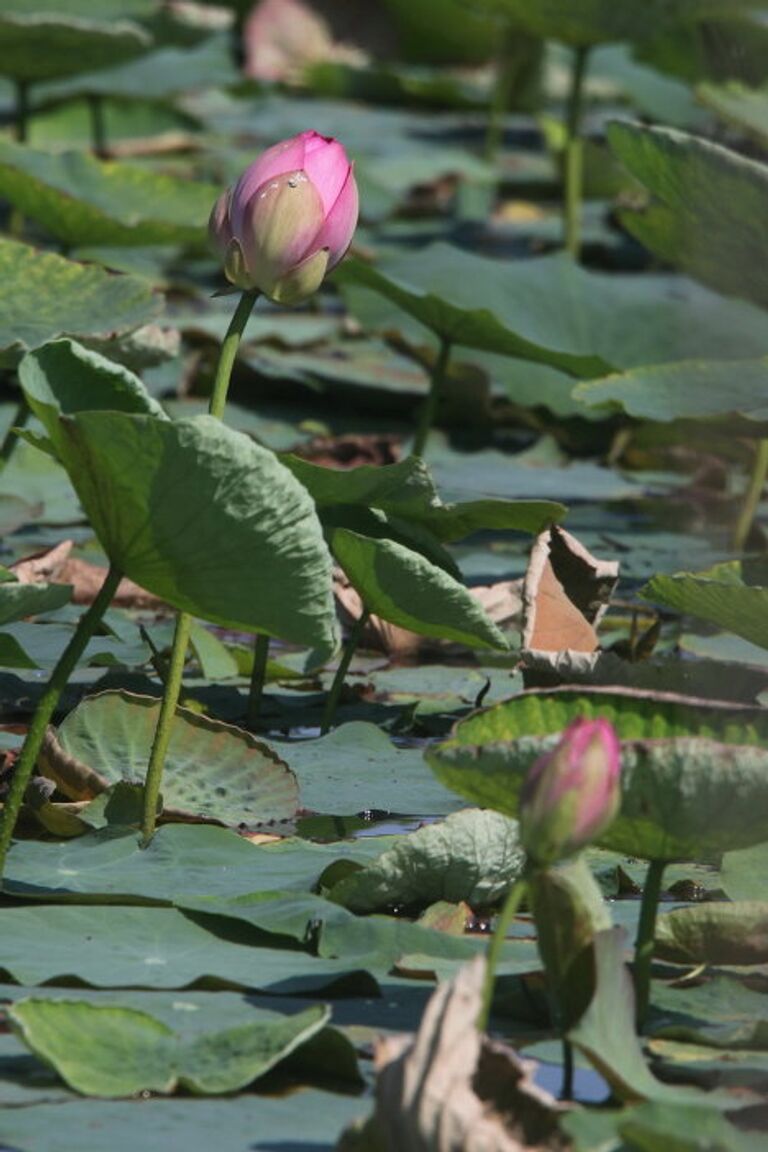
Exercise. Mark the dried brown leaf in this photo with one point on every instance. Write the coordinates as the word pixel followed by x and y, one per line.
pixel 57 566
pixel 450 1088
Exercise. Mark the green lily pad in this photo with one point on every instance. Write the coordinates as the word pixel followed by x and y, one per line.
pixel 101 1050
pixel 81 200
pixel 744 873
pixel 113 947
pixel 705 215
pixel 45 296
pixel 213 771
pixel 550 311
pixel 156 75
pixel 714 933
pixel 465 299
pixel 195 1125
pixel 721 1012
pixel 719 595
pixel 205 518
pixel 20 600
pixel 44 45
pixel 357 768
pixel 687 390
pixel 472 856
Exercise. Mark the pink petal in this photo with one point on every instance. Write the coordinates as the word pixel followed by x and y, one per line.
pixel 327 166
pixel 281 223
pixel 287 156
pixel 340 223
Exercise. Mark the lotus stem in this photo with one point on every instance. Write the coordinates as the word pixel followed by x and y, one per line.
pixel 646 931
pixel 20 420
pixel 332 700
pixel 502 84
pixel 566 1090
pixel 65 666
pixel 98 127
pixel 173 681
pixel 218 401
pixel 164 728
pixel 508 913
pixel 429 409
pixel 258 678
pixel 574 153
pixel 751 497
pixel 21 111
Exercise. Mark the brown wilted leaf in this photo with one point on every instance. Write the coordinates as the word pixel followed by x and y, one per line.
pixel 566 593
pixel 451 1089
pixel 58 566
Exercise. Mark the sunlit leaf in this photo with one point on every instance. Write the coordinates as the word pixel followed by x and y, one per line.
pixel 81 200
pixel 43 296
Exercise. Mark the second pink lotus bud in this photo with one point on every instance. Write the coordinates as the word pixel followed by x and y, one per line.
pixel 571 794
pixel 289 219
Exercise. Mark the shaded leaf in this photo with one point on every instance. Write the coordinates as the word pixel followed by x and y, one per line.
pixel 606 1032
pixel 232 536
pixel 719 595
pixel 42 45
pixel 714 933
pixel 405 588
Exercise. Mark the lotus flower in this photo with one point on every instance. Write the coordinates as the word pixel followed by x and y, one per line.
pixel 289 219
pixel 571 794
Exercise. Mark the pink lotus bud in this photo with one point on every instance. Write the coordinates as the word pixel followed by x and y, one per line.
pixel 289 219
pixel 572 793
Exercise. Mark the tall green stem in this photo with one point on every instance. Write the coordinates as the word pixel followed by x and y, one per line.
pixel 11 439
pixel 751 497
pixel 508 913
pixel 21 112
pixel 502 84
pixel 98 128
pixel 332 700
pixel 183 621
pixel 574 153
pixel 646 931
pixel 437 378
pixel 218 401
pixel 47 706
pixel 165 725
pixel 258 677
